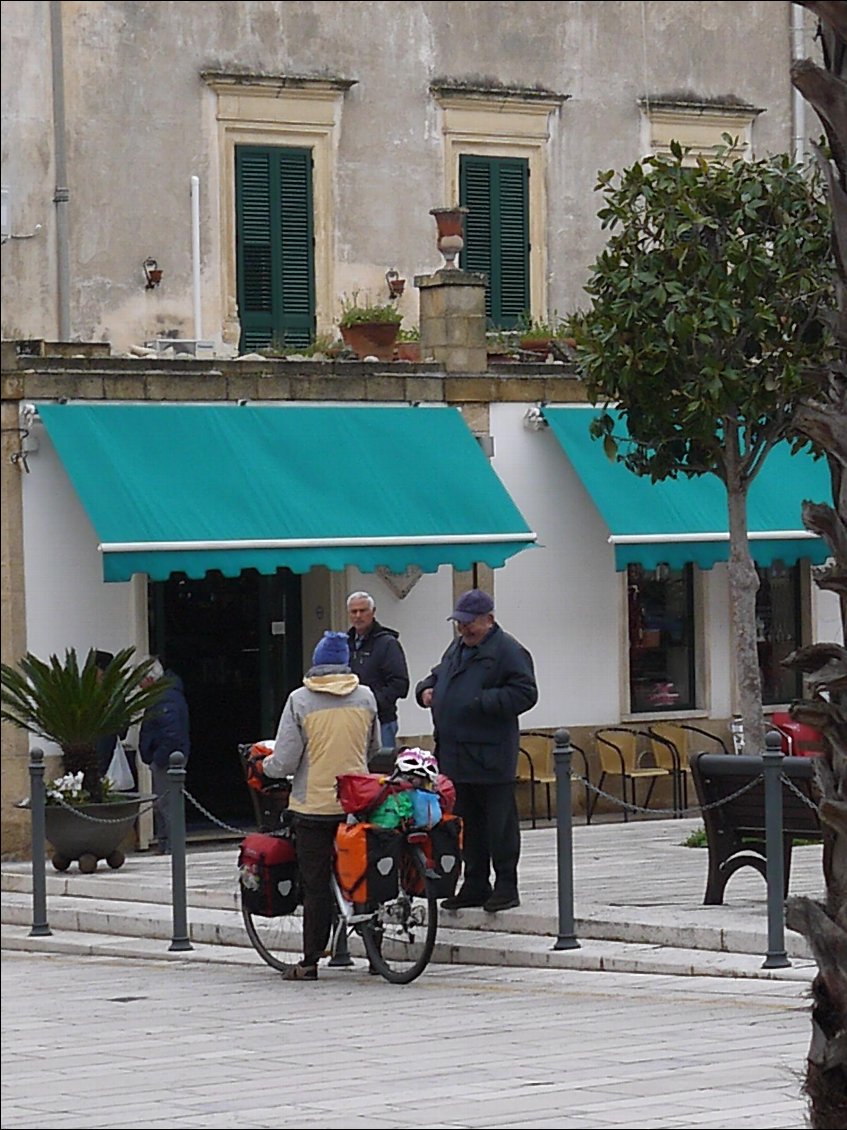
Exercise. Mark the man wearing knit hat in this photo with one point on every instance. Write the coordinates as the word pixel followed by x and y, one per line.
pixel 328 726
pixel 484 681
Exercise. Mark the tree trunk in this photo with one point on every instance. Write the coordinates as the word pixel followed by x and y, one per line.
pixel 743 586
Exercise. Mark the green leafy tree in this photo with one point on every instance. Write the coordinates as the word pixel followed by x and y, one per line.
pixel 709 305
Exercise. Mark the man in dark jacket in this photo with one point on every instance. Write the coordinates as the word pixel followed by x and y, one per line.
pixel 164 730
pixel 377 657
pixel 484 681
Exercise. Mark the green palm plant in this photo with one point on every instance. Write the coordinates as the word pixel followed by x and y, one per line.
pixel 73 706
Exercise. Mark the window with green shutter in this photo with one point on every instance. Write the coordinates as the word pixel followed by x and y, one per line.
pixel 495 190
pixel 274 246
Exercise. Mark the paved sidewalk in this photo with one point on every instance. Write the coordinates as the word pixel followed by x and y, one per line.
pixel 108 1043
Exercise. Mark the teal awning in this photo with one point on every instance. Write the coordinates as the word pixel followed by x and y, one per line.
pixel 685 520
pixel 189 488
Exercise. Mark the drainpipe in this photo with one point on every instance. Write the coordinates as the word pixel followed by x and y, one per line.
pixel 62 195
pixel 195 255
pixel 798 102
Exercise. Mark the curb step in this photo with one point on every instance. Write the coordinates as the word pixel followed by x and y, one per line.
pixel 131 928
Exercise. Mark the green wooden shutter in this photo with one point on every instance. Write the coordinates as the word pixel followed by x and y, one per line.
pixel 275 246
pixel 495 190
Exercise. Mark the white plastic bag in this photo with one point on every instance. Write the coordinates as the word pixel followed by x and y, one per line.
pixel 119 772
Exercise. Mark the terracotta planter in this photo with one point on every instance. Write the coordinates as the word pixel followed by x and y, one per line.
pixel 73 837
pixel 371 339
pixel 451 230
pixel 408 351
pixel 535 345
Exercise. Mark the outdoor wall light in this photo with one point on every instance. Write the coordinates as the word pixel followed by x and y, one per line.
pixel 152 273
pixel 395 283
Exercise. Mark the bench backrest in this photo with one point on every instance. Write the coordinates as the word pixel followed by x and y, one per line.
pixel 717 776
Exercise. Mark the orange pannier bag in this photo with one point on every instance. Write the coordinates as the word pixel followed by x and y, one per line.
pixel 368 862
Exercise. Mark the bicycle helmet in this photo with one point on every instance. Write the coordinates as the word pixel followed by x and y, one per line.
pixel 417 763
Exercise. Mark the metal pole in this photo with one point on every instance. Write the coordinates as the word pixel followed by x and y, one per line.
pixel 774 846
pixel 563 754
pixel 176 804
pixel 40 927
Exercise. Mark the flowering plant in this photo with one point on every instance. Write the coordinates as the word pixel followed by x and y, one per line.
pixel 70 790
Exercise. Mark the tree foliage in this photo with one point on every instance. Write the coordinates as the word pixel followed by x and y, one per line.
pixel 710 305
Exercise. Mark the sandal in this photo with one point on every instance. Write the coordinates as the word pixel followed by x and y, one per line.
pixel 300 973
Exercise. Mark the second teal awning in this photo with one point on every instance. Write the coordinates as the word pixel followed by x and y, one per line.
pixel 191 488
pixel 684 520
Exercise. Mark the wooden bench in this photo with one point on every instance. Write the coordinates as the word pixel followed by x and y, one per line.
pixel 735 830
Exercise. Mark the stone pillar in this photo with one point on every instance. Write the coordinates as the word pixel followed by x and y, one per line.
pixel 452 319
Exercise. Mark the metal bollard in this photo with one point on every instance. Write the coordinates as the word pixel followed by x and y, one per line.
pixel 40 926
pixel 563 755
pixel 772 766
pixel 176 805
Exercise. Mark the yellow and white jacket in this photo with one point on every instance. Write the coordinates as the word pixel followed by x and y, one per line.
pixel 328 726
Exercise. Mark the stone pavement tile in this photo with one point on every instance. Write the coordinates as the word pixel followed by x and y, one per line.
pixel 186 1044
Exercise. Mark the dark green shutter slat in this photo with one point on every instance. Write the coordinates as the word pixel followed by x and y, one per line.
pixel 514 241
pixel 475 195
pixel 496 192
pixel 275 246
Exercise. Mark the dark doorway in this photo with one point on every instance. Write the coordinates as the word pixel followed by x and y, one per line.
pixel 236 644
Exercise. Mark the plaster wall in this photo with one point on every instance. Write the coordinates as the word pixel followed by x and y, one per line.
pixel 68 602
pixel 141 121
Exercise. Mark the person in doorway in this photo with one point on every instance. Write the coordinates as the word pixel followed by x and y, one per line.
pixel 105 746
pixel 164 730
pixel 327 727
pixel 377 657
pixel 485 680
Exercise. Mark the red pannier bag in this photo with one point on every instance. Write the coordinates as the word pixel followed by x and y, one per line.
pixel 267 875
pixel 360 793
pixel 367 862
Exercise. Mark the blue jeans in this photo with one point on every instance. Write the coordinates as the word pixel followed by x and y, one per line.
pixel 388 732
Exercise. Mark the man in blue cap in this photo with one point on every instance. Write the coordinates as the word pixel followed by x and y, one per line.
pixel 485 680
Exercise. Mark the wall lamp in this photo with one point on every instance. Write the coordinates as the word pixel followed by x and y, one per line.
pixel 152 273
pixel 395 283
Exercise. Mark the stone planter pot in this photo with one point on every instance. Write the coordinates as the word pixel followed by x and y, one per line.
pixel 371 339
pixel 73 837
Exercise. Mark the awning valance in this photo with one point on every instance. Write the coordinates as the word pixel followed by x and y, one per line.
pixel 191 488
pixel 685 520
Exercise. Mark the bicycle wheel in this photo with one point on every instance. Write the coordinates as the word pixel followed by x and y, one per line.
pixel 278 941
pixel 400 935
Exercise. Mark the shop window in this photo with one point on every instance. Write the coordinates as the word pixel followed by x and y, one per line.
pixel 661 638
pixel 778 630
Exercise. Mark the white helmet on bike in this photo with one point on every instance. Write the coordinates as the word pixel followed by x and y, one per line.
pixel 417 763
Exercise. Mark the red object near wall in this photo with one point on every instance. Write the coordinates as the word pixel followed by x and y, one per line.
pixel 798 738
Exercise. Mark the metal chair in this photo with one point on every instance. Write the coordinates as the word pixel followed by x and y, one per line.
pixel 537 768
pixel 620 756
pixel 671 747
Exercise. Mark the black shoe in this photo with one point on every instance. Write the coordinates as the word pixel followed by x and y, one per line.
pixel 300 973
pixel 462 901
pixel 501 902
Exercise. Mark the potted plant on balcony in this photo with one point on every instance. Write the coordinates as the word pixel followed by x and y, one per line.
pixel 537 335
pixel 73 706
pixel 370 330
pixel 409 345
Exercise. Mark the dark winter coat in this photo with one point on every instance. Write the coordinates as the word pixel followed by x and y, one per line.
pixel 381 665
pixel 478 694
pixel 164 728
